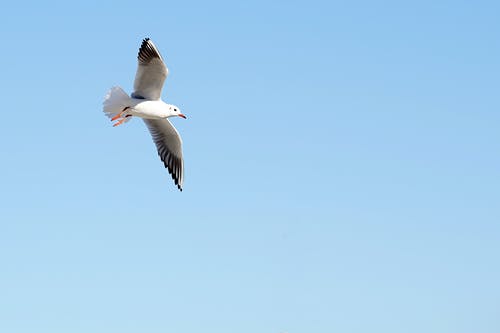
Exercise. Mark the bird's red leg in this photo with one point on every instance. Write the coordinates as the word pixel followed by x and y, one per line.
pixel 119 115
pixel 119 122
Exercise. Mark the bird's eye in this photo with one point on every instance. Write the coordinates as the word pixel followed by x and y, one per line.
pixel 175 109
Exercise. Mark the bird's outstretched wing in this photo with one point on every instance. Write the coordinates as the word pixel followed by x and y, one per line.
pixel 151 72
pixel 169 145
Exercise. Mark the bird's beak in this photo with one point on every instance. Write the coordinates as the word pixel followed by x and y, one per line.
pixel 181 115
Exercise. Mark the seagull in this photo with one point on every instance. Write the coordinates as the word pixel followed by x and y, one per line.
pixel 145 102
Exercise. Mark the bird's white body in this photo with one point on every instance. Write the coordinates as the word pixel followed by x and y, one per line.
pixel 149 109
pixel 118 102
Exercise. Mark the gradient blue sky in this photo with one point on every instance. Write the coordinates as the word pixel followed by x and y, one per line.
pixel 342 169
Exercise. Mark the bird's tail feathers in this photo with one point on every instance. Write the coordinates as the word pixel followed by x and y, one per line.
pixel 115 101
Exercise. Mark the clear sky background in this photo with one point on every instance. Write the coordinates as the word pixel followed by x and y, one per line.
pixel 342 169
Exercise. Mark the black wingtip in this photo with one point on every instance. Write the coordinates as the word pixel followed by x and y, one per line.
pixel 147 51
pixel 145 41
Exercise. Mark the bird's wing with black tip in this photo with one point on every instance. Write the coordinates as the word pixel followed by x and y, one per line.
pixel 169 145
pixel 151 72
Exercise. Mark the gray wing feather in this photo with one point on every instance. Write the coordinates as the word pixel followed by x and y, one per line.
pixel 151 72
pixel 169 145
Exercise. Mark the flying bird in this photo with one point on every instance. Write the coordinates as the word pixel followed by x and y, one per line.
pixel 145 102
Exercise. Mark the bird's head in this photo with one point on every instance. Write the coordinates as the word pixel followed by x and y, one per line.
pixel 174 111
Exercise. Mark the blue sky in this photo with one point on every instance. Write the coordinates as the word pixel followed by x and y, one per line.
pixel 341 161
